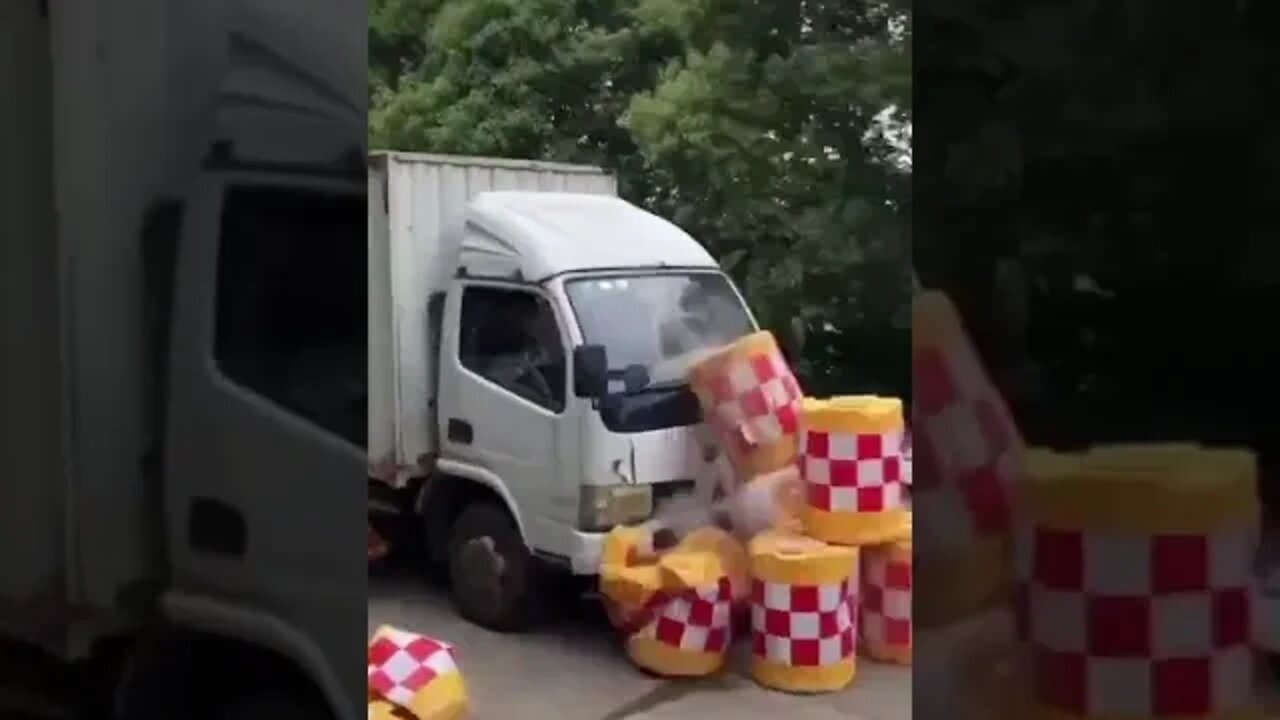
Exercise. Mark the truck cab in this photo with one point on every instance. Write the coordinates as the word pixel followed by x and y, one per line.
pixel 566 322
pixel 185 420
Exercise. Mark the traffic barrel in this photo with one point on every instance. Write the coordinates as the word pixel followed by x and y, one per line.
pixel 851 460
pixel 751 400
pixel 803 613
pixel 1135 584
pixel 413 673
pixel 966 460
pixel 885 605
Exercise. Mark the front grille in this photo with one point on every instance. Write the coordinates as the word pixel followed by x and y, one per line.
pixel 671 488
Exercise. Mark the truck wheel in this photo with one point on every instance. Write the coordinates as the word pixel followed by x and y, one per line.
pixel 491 570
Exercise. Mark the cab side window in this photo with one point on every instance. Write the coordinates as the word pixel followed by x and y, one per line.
pixel 510 338
pixel 292 319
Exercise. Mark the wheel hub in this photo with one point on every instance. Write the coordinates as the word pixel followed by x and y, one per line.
pixel 485 568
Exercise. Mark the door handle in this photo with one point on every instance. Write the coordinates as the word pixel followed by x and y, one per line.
pixel 460 431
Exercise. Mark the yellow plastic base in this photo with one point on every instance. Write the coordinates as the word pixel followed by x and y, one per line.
pixel 895 654
pixel 963 583
pixel 1040 712
pixel 383 710
pixel 660 658
pixel 829 678
pixel 854 528
pixel 445 698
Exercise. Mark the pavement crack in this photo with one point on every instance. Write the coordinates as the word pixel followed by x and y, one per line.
pixel 667 693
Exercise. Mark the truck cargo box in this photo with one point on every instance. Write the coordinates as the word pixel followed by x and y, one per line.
pixel 417 210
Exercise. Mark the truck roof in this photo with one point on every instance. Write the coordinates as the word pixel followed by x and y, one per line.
pixel 541 234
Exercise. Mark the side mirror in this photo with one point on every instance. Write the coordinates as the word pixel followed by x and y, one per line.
pixel 590 371
pixel 635 378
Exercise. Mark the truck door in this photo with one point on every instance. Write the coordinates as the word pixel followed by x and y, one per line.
pixel 265 459
pixel 503 396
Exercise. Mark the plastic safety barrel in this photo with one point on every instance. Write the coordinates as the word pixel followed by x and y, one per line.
pixel 414 673
pixel 676 609
pixel 751 401
pixel 1135 593
pixel 966 462
pixel 851 460
pixel 885 605
pixel 803 613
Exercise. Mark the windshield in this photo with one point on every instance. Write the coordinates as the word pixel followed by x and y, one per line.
pixel 661 322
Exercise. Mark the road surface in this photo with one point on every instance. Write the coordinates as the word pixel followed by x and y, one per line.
pixel 573 669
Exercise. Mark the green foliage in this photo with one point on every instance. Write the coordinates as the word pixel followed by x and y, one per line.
pixel 757 127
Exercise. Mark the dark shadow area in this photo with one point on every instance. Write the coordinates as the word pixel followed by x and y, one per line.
pixel 183 388
pixel 1093 190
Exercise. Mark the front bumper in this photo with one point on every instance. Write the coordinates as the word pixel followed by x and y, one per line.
pixel 585 549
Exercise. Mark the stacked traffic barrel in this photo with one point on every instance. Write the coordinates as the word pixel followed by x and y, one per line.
pixel 1135 572
pixel 966 457
pixel 807 581
pixel 1112 582
pixel 751 401
pixel 966 470
pixel 853 466
pixel 804 604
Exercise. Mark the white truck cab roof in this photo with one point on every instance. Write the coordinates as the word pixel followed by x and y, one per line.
pixel 538 235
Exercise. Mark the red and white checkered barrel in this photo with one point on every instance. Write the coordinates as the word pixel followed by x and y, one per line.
pixel 804 613
pixel 751 401
pixel 683 634
pixel 1135 572
pixel 885 605
pixel 414 673
pixel 966 455
pixel 852 463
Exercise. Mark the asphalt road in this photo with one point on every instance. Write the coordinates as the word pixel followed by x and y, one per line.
pixel 574 669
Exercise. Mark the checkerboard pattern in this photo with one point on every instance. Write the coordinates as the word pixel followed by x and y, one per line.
pixel 756 401
pixel 804 625
pixel 885 606
pixel 965 437
pixel 697 620
pixel 401 664
pixel 906 458
pixel 1137 625
pixel 852 472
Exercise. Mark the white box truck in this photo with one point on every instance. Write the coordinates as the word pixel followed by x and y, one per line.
pixel 182 216
pixel 529 337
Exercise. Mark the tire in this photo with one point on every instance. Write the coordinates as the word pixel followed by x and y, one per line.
pixel 492 574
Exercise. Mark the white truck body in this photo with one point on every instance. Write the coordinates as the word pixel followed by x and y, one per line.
pixel 118 429
pixel 607 273
pixel 413 248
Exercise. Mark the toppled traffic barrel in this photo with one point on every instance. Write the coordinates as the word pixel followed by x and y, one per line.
pixel 851 459
pixel 751 401
pixel 416 674
pixel 1135 576
pixel 885 605
pixel 803 613
pixel 675 608
pixel 966 460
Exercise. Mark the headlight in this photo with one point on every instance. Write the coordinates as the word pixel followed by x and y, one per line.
pixel 601 507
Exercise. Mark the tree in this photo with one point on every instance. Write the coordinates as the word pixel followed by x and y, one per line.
pixel 767 130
